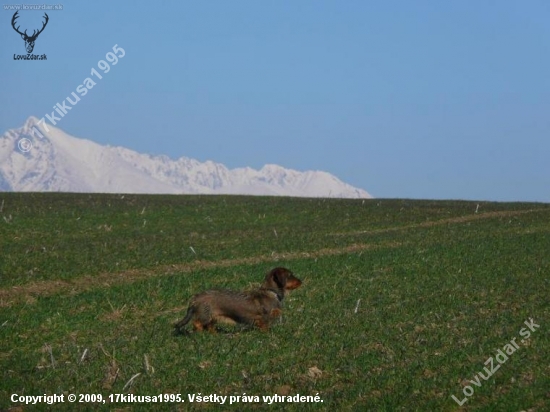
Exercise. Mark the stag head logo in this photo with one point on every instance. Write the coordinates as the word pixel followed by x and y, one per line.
pixel 29 40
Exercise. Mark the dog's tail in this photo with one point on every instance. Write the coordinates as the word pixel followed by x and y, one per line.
pixel 190 312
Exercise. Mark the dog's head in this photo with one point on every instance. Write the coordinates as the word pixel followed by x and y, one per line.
pixel 281 279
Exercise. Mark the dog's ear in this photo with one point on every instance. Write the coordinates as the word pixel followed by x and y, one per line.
pixel 279 276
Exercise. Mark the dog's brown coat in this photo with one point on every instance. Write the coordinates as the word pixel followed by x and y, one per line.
pixel 258 307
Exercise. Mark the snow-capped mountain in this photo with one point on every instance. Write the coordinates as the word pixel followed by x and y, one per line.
pixel 43 158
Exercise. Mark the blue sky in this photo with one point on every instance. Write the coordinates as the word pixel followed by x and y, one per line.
pixel 439 100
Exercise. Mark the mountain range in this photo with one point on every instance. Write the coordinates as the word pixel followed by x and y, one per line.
pixel 39 158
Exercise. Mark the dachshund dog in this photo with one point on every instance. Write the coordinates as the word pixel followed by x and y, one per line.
pixel 258 307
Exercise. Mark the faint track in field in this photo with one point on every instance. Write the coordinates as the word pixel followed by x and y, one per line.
pixel 441 222
pixel 28 292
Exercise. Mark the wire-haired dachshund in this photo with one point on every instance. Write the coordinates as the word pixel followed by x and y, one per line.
pixel 258 307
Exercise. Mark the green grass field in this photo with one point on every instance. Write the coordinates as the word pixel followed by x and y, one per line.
pixel 402 302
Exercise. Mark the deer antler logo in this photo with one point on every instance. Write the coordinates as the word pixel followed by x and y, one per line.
pixel 29 40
